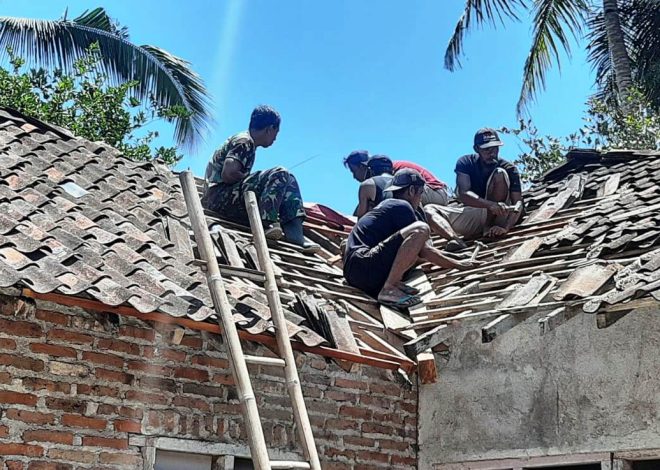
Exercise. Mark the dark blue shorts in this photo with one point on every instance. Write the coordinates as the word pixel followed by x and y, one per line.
pixel 367 268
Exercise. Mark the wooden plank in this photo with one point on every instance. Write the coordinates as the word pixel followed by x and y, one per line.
pixel 427 340
pixel 376 342
pixel 230 250
pixel 556 318
pixel 526 294
pixel 396 321
pixel 444 312
pixel 426 368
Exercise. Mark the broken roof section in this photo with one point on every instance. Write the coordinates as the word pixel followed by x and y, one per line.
pixel 82 225
pixel 589 243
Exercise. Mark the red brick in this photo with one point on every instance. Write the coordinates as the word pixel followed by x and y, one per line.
pixel 390 389
pixel 158 383
pixel 359 441
pixel 188 402
pixel 41 465
pixel 98 390
pixel 4 431
pixel 105 442
pixel 20 362
pixel 78 421
pixel 149 368
pixel 339 424
pixel 52 317
pixel 5 377
pixel 401 446
pixel 355 412
pixel 104 409
pixel 128 412
pixel 53 350
pixel 190 373
pixel 12 448
pixel 374 428
pixel 139 333
pixel 49 436
pixel 33 383
pixel 18 398
pixel 6 343
pixel 211 362
pixel 165 353
pixel 378 402
pixel 20 328
pixel 404 461
pixel 125 425
pixel 142 397
pixel 66 336
pixel 72 455
pixel 103 358
pixel 365 455
pixel 198 389
pixel 114 376
pixel 14 465
pixel 337 395
pixel 134 461
pixel 30 416
pixel 224 379
pixel 353 384
pixel 192 341
pixel 119 346
pixel 70 406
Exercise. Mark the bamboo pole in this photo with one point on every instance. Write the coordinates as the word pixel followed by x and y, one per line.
pixel 283 341
pixel 255 433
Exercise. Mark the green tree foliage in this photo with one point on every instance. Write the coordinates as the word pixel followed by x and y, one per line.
pixel 607 126
pixel 83 102
pixel 164 79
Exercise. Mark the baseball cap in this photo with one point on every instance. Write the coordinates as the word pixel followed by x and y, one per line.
pixel 404 178
pixel 486 138
pixel 357 157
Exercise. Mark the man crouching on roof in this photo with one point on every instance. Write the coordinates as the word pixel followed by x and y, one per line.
pixel 388 240
pixel 228 178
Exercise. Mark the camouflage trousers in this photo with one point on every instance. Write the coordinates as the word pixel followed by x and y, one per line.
pixel 277 192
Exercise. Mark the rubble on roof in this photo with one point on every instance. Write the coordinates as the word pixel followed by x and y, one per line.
pixel 80 220
pixel 589 243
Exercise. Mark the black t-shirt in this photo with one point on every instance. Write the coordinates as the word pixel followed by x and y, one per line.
pixel 381 222
pixel 469 164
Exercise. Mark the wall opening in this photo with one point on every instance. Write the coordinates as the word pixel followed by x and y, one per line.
pixel 167 460
pixel 646 465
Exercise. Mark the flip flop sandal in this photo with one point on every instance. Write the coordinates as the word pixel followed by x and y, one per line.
pixel 408 289
pixel 404 302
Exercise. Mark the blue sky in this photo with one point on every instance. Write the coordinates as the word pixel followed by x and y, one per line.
pixel 345 75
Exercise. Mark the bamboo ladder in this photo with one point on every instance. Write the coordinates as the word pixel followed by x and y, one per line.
pixel 237 359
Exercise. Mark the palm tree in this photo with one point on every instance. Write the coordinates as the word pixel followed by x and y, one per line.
pixel 555 22
pixel 640 22
pixel 163 77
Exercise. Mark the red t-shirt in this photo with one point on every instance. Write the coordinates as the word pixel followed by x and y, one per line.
pixel 431 181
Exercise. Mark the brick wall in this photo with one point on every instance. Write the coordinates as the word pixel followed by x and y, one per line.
pixel 74 386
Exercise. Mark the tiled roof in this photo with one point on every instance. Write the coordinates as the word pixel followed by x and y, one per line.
pixel 77 219
pixel 590 242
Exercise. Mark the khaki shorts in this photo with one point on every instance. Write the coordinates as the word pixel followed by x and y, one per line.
pixel 471 222
pixel 434 196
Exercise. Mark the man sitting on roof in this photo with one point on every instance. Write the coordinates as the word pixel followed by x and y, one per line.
pixel 435 191
pixel 489 188
pixel 228 178
pixel 372 190
pixel 387 242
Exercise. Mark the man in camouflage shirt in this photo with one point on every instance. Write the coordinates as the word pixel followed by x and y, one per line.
pixel 228 178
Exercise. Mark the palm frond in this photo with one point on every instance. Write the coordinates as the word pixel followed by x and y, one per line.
pixel 479 12
pixel 167 78
pixel 554 22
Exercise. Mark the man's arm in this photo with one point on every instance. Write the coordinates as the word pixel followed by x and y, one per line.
pixel 232 171
pixel 435 256
pixel 366 197
pixel 469 198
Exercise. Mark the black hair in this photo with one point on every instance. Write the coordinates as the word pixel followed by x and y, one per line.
pixel 379 164
pixel 264 116
pixel 398 194
pixel 356 157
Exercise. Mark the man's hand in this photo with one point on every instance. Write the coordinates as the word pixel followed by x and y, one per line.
pixel 496 231
pixel 497 209
pixel 464 265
